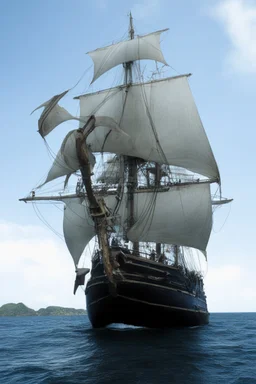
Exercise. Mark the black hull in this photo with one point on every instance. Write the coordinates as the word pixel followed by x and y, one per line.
pixel 147 294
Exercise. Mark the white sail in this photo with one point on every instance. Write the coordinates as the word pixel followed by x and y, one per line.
pixel 78 227
pixel 181 216
pixel 52 115
pixel 160 117
pixel 143 47
pixel 66 161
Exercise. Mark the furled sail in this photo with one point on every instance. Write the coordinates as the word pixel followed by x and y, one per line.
pixel 160 117
pixel 143 47
pixel 52 115
pixel 181 216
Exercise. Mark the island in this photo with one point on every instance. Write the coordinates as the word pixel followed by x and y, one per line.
pixel 21 309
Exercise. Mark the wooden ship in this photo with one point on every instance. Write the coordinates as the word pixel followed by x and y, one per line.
pixel 151 204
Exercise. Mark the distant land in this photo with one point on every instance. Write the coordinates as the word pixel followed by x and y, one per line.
pixel 21 309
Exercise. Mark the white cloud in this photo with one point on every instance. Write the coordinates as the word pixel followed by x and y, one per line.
pixel 145 9
pixel 36 268
pixel 239 20
pixel 223 274
pixel 249 294
pixel 222 288
pixel 230 288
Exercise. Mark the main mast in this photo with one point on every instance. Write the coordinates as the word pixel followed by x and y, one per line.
pixel 128 66
pixel 131 161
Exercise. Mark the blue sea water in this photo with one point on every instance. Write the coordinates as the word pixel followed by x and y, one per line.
pixel 66 350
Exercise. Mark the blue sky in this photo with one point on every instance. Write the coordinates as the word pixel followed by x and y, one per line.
pixel 43 48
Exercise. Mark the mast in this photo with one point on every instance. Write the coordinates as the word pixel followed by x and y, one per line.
pixel 128 66
pixel 131 161
pixel 176 255
pixel 157 185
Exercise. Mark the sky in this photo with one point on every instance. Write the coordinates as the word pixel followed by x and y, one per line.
pixel 43 45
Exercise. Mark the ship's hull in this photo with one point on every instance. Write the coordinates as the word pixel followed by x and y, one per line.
pixel 146 293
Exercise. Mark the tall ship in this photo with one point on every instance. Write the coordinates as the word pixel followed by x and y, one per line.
pixel 144 169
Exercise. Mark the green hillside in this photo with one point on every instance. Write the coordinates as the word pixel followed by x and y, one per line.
pixel 60 311
pixel 21 309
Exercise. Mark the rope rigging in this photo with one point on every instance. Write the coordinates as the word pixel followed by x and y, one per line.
pixel 145 180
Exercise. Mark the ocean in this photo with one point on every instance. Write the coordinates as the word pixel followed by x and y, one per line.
pixel 66 350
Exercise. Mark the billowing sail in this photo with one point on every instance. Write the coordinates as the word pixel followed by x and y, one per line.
pixel 143 47
pixel 181 216
pixel 66 161
pixel 78 226
pixel 161 119
pixel 52 115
